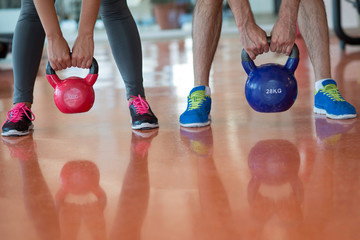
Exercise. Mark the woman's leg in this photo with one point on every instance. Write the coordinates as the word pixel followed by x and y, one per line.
pixel 126 47
pixel 28 44
pixel 27 49
pixel 125 44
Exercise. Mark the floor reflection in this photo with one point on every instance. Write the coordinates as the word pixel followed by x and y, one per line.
pixel 275 191
pixel 38 200
pixel 81 200
pixel 77 209
pixel 134 196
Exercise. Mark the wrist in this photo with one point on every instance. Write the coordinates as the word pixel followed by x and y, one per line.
pixel 88 33
pixel 245 25
pixel 54 35
pixel 246 22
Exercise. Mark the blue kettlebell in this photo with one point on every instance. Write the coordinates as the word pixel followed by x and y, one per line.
pixel 271 87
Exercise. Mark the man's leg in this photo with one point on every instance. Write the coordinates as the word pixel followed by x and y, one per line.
pixel 206 25
pixel 314 29
pixel 207 21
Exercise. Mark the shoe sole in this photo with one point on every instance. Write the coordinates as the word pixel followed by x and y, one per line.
pixel 197 124
pixel 194 125
pixel 145 126
pixel 15 133
pixel 332 116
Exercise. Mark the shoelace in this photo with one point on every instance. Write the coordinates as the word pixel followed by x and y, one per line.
pixel 333 92
pixel 140 104
pixel 15 114
pixel 196 99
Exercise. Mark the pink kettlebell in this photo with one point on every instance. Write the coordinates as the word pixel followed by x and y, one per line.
pixel 73 94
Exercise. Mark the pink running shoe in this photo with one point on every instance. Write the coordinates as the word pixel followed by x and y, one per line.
pixel 141 115
pixel 18 122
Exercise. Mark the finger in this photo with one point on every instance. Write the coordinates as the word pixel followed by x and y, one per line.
pixel 53 65
pixel 266 48
pixel 68 61
pixel 260 46
pixel 254 52
pixel 88 63
pixel 258 50
pixel 252 55
pixel 58 65
pixel 288 51
pixel 73 61
pixel 284 48
pixel 61 63
pixel 251 51
pixel 273 45
pixel 80 62
pixel 279 49
pixel 84 63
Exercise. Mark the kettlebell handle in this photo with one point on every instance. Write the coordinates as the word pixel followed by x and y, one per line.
pixel 54 80
pixel 291 63
pixel 94 68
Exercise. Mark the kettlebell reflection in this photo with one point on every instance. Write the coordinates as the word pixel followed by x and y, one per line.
pixel 80 200
pixel 275 189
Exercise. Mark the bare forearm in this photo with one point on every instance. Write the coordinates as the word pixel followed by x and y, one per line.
pixel 89 13
pixel 242 13
pixel 48 17
pixel 252 37
pixel 289 9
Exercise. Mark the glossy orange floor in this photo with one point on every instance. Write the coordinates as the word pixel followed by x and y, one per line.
pixel 284 176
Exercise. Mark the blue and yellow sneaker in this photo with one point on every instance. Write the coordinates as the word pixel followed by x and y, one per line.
pixel 197 113
pixel 329 101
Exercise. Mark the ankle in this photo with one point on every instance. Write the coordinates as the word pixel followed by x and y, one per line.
pixel 28 104
pixel 134 97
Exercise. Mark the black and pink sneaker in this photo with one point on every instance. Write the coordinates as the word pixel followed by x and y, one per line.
pixel 18 122
pixel 141 115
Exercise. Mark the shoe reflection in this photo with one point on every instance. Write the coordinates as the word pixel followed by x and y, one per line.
pixel 217 220
pixel 134 196
pixel 22 148
pixel 38 199
pixel 200 140
pixel 329 131
pixel 275 190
